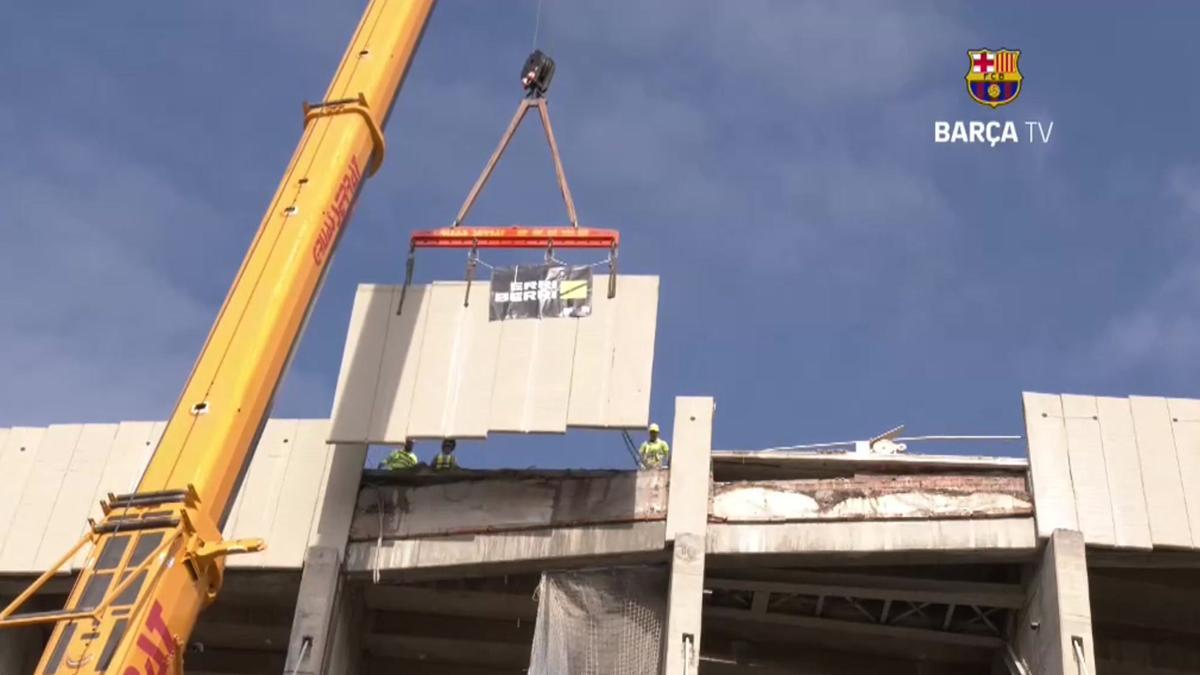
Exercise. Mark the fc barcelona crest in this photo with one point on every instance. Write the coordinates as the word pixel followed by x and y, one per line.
pixel 993 78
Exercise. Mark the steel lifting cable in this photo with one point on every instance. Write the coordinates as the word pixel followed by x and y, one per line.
pixel 537 24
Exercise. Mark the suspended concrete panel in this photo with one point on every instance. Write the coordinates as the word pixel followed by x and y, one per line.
pixel 440 369
pixel 1123 471
pixel 299 491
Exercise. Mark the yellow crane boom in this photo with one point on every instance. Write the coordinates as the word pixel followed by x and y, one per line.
pixel 157 557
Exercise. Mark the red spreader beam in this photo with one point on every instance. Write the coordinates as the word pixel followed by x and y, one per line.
pixel 517 236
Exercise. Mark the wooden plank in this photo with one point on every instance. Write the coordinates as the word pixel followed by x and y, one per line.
pixel 398 372
pixel 362 355
pixel 1130 522
pixel 17 459
pixel 1049 464
pixel 74 500
pixel 339 492
pixel 1165 502
pixel 1089 473
pixel 592 372
pixel 297 505
pixel 550 376
pixel 37 499
pixel 1185 427
pixel 633 353
pixel 436 375
pixel 262 487
pixel 514 364
pixel 470 409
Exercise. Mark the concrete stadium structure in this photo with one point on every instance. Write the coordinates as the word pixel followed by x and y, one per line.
pixel 1082 558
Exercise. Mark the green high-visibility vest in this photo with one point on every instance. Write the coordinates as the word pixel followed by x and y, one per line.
pixel 444 461
pixel 399 460
pixel 654 452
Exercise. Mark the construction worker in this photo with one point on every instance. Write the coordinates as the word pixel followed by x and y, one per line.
pixel 445 459
pixel 655 450
pixel 401 459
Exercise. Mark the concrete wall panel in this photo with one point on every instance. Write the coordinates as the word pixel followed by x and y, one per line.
pixel 1128 468
pixel 1131 524
pixel 1093 503
pixel 52 458
pixel 1049 464
pixel 296 508
pixel 17 459
pixel 444 370
pixel 75 495
pixel 1161 476
pixel 362 356
pixel 1185 431
pixel 263 486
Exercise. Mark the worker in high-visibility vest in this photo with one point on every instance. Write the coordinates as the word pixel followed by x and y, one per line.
pixel 655 450
pixel 445 459
pixel 401 459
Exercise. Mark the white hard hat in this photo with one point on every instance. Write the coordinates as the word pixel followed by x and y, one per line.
pixel 654 428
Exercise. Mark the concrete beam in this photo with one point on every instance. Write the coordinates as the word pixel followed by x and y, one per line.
pixel 510 552
pixel 346 642
pixel 871 498
pixel 1054 630
pixel 687 522
pixel 309 645
pixel 508 504
pixel 1007 538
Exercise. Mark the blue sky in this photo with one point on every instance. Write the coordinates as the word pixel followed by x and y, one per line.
pixel 828 271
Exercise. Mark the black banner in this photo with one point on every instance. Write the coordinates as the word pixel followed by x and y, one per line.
pixel 540 292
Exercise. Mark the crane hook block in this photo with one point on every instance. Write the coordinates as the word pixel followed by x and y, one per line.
pixel 536 74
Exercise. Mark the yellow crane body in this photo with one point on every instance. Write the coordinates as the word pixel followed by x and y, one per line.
pixel 157 556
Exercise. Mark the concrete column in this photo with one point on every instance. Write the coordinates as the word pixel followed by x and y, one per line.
pixel 311 647
pixel 687 525
pixel 20 649
pixel 1055 627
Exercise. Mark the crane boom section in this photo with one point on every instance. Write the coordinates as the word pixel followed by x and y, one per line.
pixel 158 557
